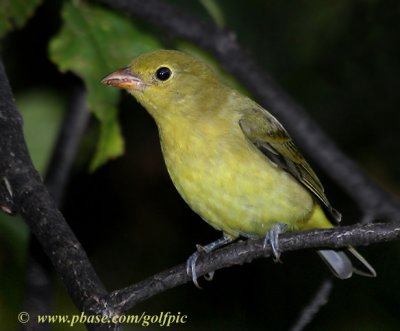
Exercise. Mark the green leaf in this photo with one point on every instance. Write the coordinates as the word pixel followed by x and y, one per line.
pixel 15 13
pixel 109 144
pixel 93 42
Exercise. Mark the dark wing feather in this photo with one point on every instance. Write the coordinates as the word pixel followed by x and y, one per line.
pixel 270 137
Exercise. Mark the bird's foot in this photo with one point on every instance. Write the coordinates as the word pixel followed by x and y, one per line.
pixel 191 267
pixel 191 262
pixel 272 237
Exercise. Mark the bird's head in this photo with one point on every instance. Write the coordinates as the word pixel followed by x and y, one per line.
pixel 164 81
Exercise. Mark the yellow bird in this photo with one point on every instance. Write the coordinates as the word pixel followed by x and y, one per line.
pixel 230 159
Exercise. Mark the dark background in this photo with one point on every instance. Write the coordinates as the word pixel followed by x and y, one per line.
pixel 340 60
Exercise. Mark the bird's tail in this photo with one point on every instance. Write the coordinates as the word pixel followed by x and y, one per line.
pixel 343 263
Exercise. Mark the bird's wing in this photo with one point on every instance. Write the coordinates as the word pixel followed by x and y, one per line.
pixel 271 138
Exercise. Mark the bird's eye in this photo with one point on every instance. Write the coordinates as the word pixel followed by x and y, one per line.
pixel 163 73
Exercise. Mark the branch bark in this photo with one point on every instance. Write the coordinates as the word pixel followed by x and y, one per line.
pixel 246 251
pixel 30 198
pixel 38 286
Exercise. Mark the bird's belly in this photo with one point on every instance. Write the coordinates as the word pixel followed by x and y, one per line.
pixel 237 191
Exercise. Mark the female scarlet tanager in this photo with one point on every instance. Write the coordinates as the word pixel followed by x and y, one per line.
pixel 229 158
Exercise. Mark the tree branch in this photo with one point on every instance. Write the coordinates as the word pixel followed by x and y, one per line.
pixel 38 286
pixel 32 201
pixel 246 251
pixel 222 43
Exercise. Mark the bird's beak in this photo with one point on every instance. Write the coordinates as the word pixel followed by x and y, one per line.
pixel 124 79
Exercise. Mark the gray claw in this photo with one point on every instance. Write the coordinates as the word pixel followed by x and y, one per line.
pixel 272 237
pixel 191 268
pixel 191 262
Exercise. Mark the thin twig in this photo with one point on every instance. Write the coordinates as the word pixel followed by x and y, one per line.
pixel 319 299
pixel 73 127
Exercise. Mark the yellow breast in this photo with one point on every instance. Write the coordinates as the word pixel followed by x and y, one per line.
pixel 227 181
